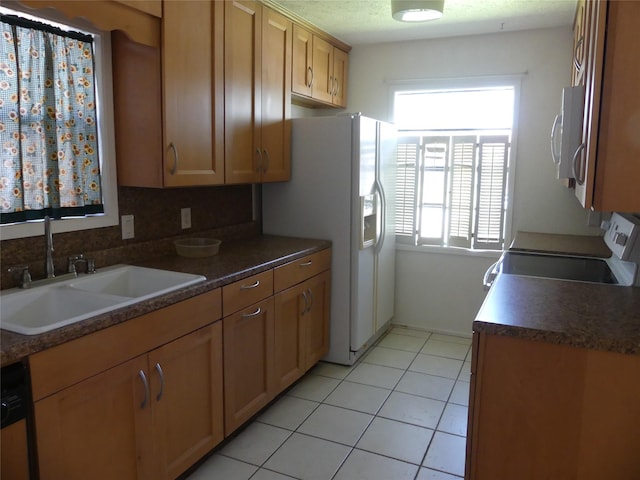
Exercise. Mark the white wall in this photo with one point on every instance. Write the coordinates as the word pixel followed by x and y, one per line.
pixel 441 291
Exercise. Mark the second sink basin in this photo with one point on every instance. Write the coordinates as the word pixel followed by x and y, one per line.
pixel 134 282
pixel 47 307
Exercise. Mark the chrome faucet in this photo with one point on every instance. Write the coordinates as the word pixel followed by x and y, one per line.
pixel 48 264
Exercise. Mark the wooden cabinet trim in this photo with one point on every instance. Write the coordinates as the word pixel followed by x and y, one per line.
pixel 108 16
pixel 66 364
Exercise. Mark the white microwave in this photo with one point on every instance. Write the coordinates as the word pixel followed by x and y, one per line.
pixel 566 133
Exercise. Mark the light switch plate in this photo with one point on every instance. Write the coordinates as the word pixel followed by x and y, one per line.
pixel 127 226
pixel 185 218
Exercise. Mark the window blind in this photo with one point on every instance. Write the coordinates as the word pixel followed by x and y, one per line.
pixel 451 190
pixel 492 177
pixel 406 185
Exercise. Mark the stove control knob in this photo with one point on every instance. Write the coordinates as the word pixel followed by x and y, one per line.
pixel 620 239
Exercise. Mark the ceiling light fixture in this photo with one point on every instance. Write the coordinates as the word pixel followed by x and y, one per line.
pixel 416 10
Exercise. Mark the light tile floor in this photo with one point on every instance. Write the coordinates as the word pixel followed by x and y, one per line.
pixel 398 413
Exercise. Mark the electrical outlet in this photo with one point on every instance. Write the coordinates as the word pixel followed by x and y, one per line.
pixel 127 226
pixel 185 218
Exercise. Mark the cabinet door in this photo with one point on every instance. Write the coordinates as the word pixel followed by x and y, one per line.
pixel 316 318
pixel 248 363
pixel 340 68
pixel 617 165
pixel 322 84
pixel 242 79
pixel 99 428
pixel 302 57
pixel 289 336
pixel 193 92
pixel 580 45
pixel 186 388
pixel 276 96
pixel 585 160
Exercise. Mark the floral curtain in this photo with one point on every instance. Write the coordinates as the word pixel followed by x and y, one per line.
pixel 48 134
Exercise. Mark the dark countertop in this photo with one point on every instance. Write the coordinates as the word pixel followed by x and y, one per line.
pixel 237 259
pixel 586 315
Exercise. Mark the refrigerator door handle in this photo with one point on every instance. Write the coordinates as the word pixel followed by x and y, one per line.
pixel 383 215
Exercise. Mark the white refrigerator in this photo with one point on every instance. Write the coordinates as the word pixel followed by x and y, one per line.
pixel 342 189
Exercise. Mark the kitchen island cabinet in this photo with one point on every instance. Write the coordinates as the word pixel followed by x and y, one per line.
pixel 553 391
pixel 150 416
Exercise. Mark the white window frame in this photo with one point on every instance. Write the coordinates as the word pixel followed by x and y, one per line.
pixel 106 137
pixel 461 83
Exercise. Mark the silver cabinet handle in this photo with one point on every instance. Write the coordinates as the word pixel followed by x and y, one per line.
pixel 555 155
pixel 175 158
pixel 266 160
pixel 310 76
pixel 310 300
pixel 143 377
pixel 576 156
pixel 161 375
pixel 249 287
pixel 578 61
pixel 259 161
pixel 335 87
pixel 254 314
pixel 306 303
pixel 306 264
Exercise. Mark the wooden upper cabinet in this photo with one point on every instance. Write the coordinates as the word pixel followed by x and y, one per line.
pixel 340 77
pixel 276 96
pixel 169 100
pixel 319 70
pixel 302 61
pixel 257 80
pixel 607 166
pixel 192 46
pixel 322 82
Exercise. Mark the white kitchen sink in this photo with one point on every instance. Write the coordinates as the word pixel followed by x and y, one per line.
pixel 47 307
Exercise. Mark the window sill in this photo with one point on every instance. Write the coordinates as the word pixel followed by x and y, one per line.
pixel 463 252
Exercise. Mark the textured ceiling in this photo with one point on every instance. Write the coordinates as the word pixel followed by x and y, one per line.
pixel 369 21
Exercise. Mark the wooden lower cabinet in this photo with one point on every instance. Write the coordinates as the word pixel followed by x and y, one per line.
pixel 541 410
pixel 317 319
pixel 98 428
pixel 301 328
pixel 271 344
pixel 188 405
pixel 248 362
pixel 149 418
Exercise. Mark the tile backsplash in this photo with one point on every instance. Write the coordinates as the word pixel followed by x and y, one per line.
pixel 224 211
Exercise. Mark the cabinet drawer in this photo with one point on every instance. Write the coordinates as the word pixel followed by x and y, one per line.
pixel 299 270
pixel 247 291
pixel 61 366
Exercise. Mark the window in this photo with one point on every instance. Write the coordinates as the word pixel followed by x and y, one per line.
pixel 56 132
pixel 453 166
